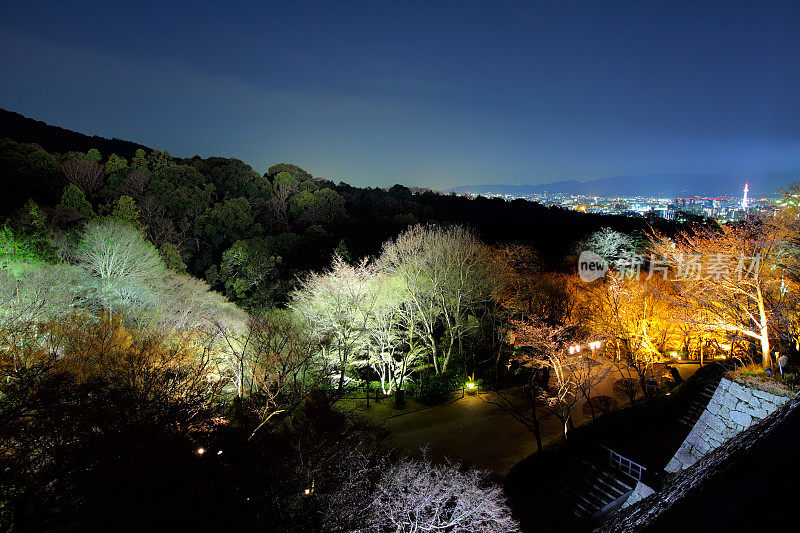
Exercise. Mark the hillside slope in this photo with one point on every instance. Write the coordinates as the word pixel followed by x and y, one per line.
pixel 55 139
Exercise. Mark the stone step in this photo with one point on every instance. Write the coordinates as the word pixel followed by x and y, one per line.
pixel 616 485
pixel 583 491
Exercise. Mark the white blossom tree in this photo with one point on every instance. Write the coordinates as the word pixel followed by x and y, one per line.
pixel 611 245
pixel 444 275
pixel 336 305
pixel 392 353
pixel 417 496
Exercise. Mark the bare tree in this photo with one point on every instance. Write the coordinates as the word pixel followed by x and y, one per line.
pixel 30 297
pixel 84 174
pixel 542 355
pixel 392 354
pixel 444 273
pixel 135 183
pixel 421 496
pixel 588 374
pixel 635 318
pixel 182 302
pixel 283 187
pixel 160 227
pixel 121 265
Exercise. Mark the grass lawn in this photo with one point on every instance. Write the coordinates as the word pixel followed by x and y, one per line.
pixel 377 411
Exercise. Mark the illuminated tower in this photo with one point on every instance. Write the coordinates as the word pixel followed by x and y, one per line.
pixel 744 199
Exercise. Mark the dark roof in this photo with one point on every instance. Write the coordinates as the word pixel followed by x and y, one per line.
pixel 749 482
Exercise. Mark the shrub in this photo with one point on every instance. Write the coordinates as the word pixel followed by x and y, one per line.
pixel 436 388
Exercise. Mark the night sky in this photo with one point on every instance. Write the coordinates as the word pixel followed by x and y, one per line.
pixel 433 94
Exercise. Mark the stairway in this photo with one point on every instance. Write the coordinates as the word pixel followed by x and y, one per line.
pixel 698 405
pixel 583 494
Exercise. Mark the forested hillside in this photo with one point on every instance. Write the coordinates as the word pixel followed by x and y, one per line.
pixel 249 235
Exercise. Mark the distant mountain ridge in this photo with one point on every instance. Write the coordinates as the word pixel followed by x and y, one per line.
pixel 652 185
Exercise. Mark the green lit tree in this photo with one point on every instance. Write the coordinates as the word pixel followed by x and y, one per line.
pixel 171 257
pixel 248 271
pixel 139 160
pixel 115 164
pixel 73 200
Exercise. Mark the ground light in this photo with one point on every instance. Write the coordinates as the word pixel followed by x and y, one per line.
pixel 471 387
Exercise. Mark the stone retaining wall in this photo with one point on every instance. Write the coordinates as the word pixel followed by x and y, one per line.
pixel 732 408
pixel 641 492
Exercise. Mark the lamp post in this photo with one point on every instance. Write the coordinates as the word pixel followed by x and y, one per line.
pixel 594 345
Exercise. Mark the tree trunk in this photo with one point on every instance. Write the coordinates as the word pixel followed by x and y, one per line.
pixel 766 359
pixel 701 351
pixel 591 407
pixel 537 432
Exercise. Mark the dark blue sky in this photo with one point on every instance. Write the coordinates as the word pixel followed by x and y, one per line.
pixel 433 94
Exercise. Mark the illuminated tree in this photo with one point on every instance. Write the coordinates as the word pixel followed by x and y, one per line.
pixel 25 237
pixel 422 496
pixel 121 264
pixel 337 305
pixel 613 246
pixel 729 280
pixel 546 347
pixel 391 353
pixel 283 365
pixel 444 275
pixel 633 314
pixel 787 317
pixel 182 302
pixel 32 295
